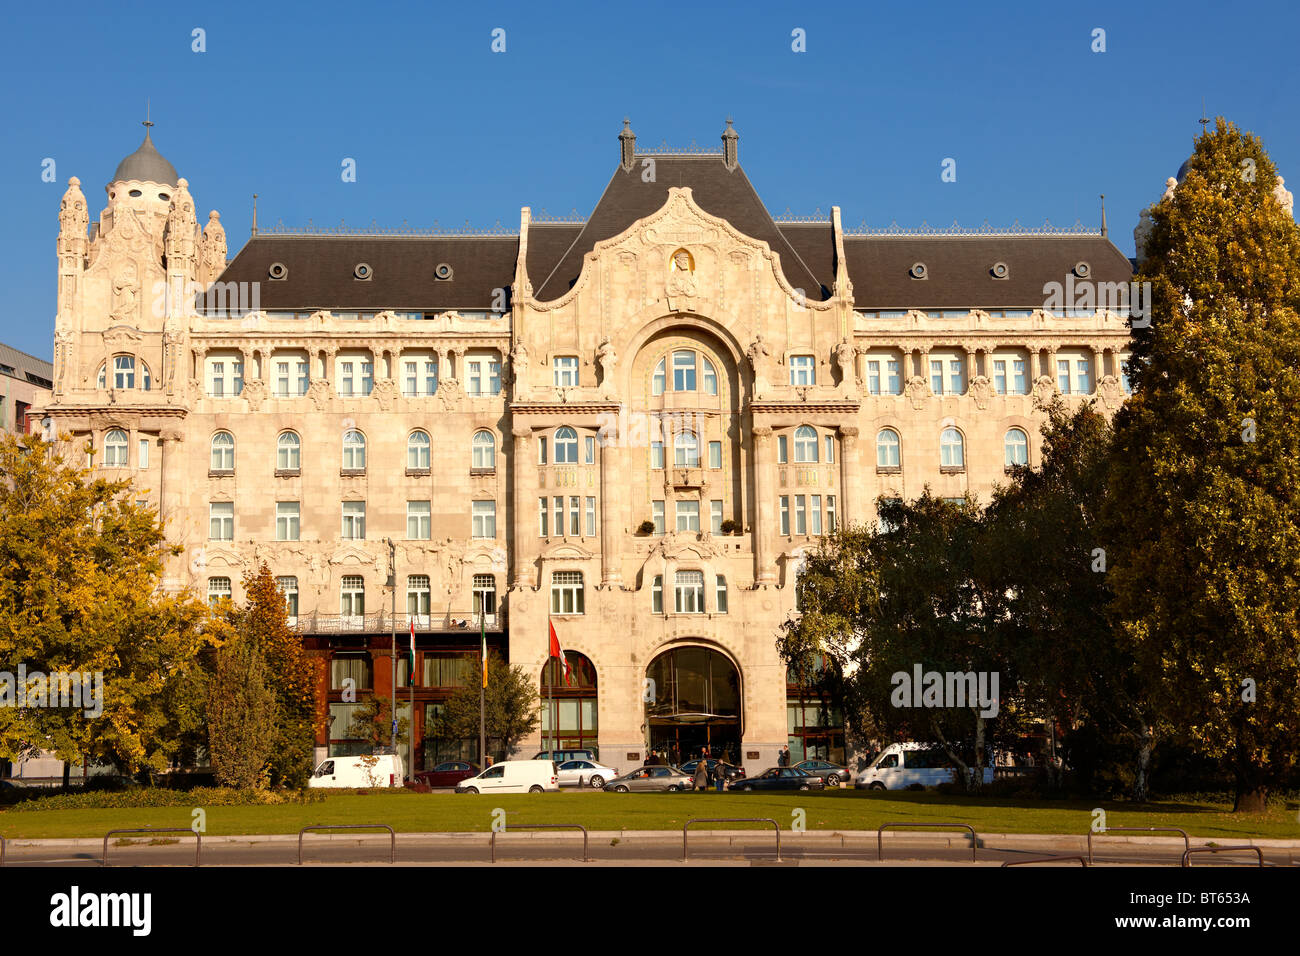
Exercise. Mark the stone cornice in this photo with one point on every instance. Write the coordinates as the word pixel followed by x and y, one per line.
pixel 566 408
pixel 770 407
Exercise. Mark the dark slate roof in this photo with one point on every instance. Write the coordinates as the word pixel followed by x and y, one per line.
pixel 321 271
pixel 146 164
pixel 959 269
pixel 725 193
pixel 28 367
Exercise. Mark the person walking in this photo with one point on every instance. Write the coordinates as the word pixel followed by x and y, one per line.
pixel 702 774
pixel 720 776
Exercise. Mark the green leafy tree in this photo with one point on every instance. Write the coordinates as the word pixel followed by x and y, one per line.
pixel 1206 484
pixel 242 712
pixel 511 707
pixel 372 722
pixel 80 567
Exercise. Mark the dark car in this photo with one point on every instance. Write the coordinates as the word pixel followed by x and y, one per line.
pixel 730 771
pixel 781 778
pixel 447 774
pixel 832 774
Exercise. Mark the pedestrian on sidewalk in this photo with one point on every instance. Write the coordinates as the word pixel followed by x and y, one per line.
pixel 720 776
pixel 702 774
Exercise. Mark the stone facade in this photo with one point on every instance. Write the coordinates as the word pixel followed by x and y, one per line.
pixel 682 379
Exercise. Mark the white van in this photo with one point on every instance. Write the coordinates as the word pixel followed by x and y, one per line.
pixel 513 776
pixel 353 772
pixel 902 765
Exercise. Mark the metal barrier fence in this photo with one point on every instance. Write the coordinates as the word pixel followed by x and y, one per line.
pixel 880 835
pixel 392 836
pixel 1046 859
pixel 2 851
pixel 1222 849
pixel 543 826
pixel 775 826
pixel 198 838
pixel 1187 841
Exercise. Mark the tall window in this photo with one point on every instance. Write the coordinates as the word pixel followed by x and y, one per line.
pixel 873 376
pixel 830 449
pixel 417 520
pixel 589 449
pixel 815 514
pixel 887 448
pixel 485 597
pixel 657 516
pixel 688 515
pixel 782 449
pixel 419 375
pixel 288 587
pixel 354 521
pixel 656 454
pixel 484 519
pixel 223 452
pixel 566 446
pixel 354 450
pixel 218 590
pixel 142 453
pixel 657 380
pixel 352 596
pixel 657 594
pixel 221 520
pixel 575 519
pixel 541 518
pixel 805 443
pixel 116 449
pixel 287 520
pixel 1018 376
pixel 483 454
pixel 715 454
pixel 418 596
pixel 1015 448
pixel 1000 376
pixel 720 595
pixel 590 512
pixel 686 450
pixel 565 371
pixel 803 370
pixel 951 453
pixel 356 376
pixel 124 371
pixel 715 516
pixel 291 377
pixel 288 452
pixel 684 371
pixel 830 514
pixel 567 592
pixel 483 375
pixel 1063 375
pixel 688 592
pixel 710 377
pixel 417 451
pixel 225 377
pixel 936 376
pixel 785 514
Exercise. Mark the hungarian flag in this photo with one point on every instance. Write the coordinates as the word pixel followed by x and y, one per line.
pixel 557 651
pixel 482 633
pixel 410 666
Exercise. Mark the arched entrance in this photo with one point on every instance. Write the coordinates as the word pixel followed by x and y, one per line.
pixel 569 709
pixel 692 702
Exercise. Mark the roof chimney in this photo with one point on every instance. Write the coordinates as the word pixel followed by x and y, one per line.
pixel 627 145
pixel 730 146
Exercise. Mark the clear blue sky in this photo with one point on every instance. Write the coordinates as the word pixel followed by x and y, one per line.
pixel 444 129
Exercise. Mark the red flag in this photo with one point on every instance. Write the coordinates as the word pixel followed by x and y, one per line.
pixel 557 651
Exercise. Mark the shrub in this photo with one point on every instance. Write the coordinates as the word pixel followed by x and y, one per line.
pixel 730 527
pixel 161 797
pixel 647 527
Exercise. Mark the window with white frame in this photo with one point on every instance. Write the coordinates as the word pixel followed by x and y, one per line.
pixel 715 516
pixel 418 517
pixel 117 449
pixel 888 449
pixel 541 449
pixel 484 519
pixel 688 515
pixel 830 514
pixel 417 451
pixel 805 444
pixel 542 531
pixel 483 451
pixel 688 592
pixel 720 594
pixel 657 516
pixel 657 594
pixel 225 377
pixel 884 375
pixel 575 516
pixel 800 515
pixel 1074 372
pixel 287 521
pixel 803 370
pixel 356 375
pixel 686 450
pixel 142 455
pixel 354 521
pixel 288 587
pixel 947 375
pixel 656 455
pixel 219 590
pixel 354 450
pixel 352 596
pixel 418 597
pixel 288 452
pixel 951 450
pixel 557 514
pixel 684 371
pixel 565 370
pixel 657 379
pixel 124 371
pixel 785 514
pixel 815 514
pixel 567 595
pixel 222 456
pixel 221 520
pixel 419 375
pixel 782 449
pixel 1122 361
pixel 485 597
pixel 589 449
pixel 715 454
pixel 830 449
pixel 566 446
pixel 1015 448
pixel 590 512
pixel 483 375
pixel 291 376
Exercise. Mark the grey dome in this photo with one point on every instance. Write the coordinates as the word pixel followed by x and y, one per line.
pixel 146 164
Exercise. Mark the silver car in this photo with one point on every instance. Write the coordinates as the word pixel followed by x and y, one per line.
pixel 579 773
pixel 671 779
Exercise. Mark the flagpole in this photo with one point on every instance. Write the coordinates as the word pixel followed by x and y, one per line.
pixel 482 690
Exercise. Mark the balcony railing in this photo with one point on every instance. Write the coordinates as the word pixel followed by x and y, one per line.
pixel 382 622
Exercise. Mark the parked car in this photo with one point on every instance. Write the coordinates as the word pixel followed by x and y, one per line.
pixel 579 773
pixel 832 774
pixel 447 774
pixel 111 782
pixel 671 779
pixel 513 776
pixel 908 764
pixel 387 771
pixel 560 756
pixel 781 778
pixel 730 771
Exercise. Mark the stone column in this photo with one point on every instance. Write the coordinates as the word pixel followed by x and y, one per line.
pixel 613 482
pixel 972 367
pixel 170 503
pixel 525 495
pixel 850 474
pixel 923 359
pixel 764 506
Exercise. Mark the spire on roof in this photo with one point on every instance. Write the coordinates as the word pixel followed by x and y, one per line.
pixel 730 146
pixel 146 164
pixel 627 145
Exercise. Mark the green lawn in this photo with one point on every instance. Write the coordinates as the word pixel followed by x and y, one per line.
pixel 838 810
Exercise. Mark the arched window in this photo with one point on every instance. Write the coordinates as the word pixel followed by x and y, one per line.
pixel 354 450
pixel 484 450
pixel 115 449
pixel 710 377
pixel 887 448
pixel 223 452
pixel 951 453
pixel 566 446
pixel 684 371
pixel 805 443
pixel 1015 448
pixel 417 451
pixel 656 382
pixel 144 371
pixel 100 382
pixel 686 450
pixel 288 452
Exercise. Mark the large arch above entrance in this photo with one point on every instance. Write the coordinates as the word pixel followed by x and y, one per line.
pixel 569 707
pixel 692 704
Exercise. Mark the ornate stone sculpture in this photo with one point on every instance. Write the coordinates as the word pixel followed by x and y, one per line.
pixel 212 249
pixel 1284 197
pixel 126 290
pixel 681 276
pixel 519 369
pixel 844 358
pixel 606 358
pixel 917 392
pixel 758 354
pixel 1044 389
pixel 981 390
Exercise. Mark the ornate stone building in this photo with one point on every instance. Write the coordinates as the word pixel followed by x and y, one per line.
pixel 25 383
pixel 632 424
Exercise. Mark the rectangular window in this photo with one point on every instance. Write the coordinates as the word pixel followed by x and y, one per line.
pixel 484 519
pixel 430 376
pixel 936 376
pixel 238 369
pixel 955 376
pixel 221 521
pixel 715 454
pixel 800 516
pixel 782 452
pixel 785 514
pixel 895 381
pixel 418 595
pixel 656 454
pixel 347 374
pixel 1000 376
pixel 688 515
pixel 286 520
pixel 218 387
pixel 143 457
pixel 541 449
pixel 657 516
pixel 541 518
pixel 873 376
pixel 1063 375
pixel 1018 376
pixel 1083 376
pixel 288 587
pixel 418 518
pixel 218 590
pixel 830 449
pixel 567 592
pixel 815 514
pixel 1124 382
pixel 566 371
pixel 575 516
pixel 688 592
pixel 657 594
pixel 282 379
pixel 557 514
pixel 124 371
pixel 683 371
pixel 830 514
pixel 352 596
pixel 354 521
pixel 411 384
pixel 591 517
pixel 720 595
pixel 589 449
pixel 803 370
pixel 715 517
pixel 657 381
